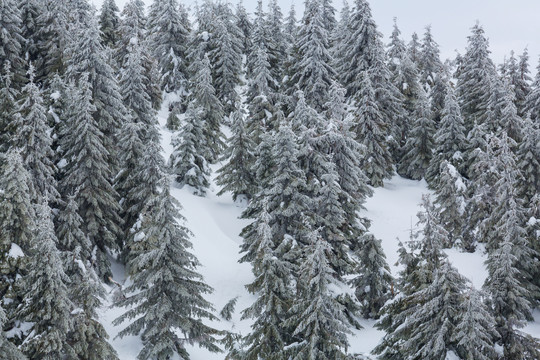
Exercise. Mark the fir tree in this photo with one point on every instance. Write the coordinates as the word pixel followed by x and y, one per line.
pixel 187 161
pixel 532 102
pixel 46 301
pixel 244 24
pixel 88 173
pixel 413 49
pixel 8 96
pixel 418 151
pixel 529 160
pixel 429 62
pixel 237 175
pixel 168 30
pixel 509 121
pixel 8 351
pixel 167 292
pixel 11 40
pixel 373 284
pixel 109 23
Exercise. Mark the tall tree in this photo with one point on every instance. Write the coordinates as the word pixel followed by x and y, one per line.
pixel 429 62
pixel 8 350
pixel 109 23
pixel 11 40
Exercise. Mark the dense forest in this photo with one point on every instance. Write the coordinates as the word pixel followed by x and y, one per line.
pixel 305 117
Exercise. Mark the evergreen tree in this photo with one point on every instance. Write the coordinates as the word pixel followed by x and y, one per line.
pixel 396 49
pixel 46 302
pixel 8 96
pixel 187 160
pixel 529 160
pixel 109 23
pixel 167 292
pixel 475 332
pixel 11 41
pixel 68 229
pixel 237 175
pixel 244 24
pixel 418 151
pixel 321 327
pixel 532 102
pixel 476 72
pixel 370 131
pixel 429 62
pixel 168 31
pixel 34 141
pixel 30 28
pixel 413 49
pixel 450 140
pixel 373 284
pixel 518 75
pixel 509 121
pixel 88 173
pixel 8 351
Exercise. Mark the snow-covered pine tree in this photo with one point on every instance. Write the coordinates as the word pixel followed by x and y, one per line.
pixel 418 150
pixel 473 85
pixel 8 104
pixel 244 24
pixel 474 333
pixel 320 326
pixel 373 282
pixel 68 230
pixel 237 175
pixel 88 172
pixel 413 49
pixel 451 200
pixel 166 290
pixel 46 302
pixel 528 156
pixel 429 62
pixel 441 83
pixel 450 140
pixel 204 98
pixel 34 141
pixel 109 23
pixel 510 122
pixel 8 351
pixel 396 49
pixel 272 285
pixel 30 28
pixel 532 102
pixel 12 41
pixel 370 129
pixel 187 161
pixel 518 74
pixel 168 31
pixel 312 71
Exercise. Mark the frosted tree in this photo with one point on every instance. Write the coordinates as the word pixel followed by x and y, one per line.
pixel 439 90
pixel 187 160
pixel 450 140
pixel 532 102
pixel 509 121
pixel 272 285
pixel 321 328
pixel 17 221
pixel 374 281
pixel 237 175
pixel 30 28
pixel 370 131
pixel 413 49
pixel 244 24
pixel 11 40
pixel 46 302
pixel 168 31
pixel 166 293
pixel 34 141
pixel 529 160
pixel 109 23
pixel 8 102
pixel 204 97
pixel 429 62
pixel 68 230
pixel 474 332
pixel 396 49
pixel 418 150
pixel 88 172
pixel 518 74
pixel 312 72
pixel 451 199
pixel 8 350
pixel 473 85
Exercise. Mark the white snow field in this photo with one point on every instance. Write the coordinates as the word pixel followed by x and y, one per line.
pixel 215 224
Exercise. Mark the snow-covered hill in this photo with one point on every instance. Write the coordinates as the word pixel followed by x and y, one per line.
pixel 216 225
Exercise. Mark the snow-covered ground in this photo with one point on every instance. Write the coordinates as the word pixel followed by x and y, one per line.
pixel 216 225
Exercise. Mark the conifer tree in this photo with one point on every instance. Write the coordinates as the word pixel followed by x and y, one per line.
pixel 510 122
pixel 68 229
pixel 429 62
pixel 244 24
pixel 418 151
pixel 475 333
pixel 518 75
pixel 529 160
pixel 11 41
pixel 187 160
pixel 370 131
pixel 413 49
pixel 396 49
pixel 237 174
pixel 34 141
pixel 46 302
pixel 88 173
pixel 8 96
pixel 321 328
pixel 277 45
pixel 8 350
pixel 373 284
pixel 476 72
pixel 109 23
pixel 450 140
pixel 30 28
pixel 166 290
pixel 168 31
pixel 532 102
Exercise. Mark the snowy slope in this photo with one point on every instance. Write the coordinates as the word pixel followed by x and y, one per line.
pixel 215 224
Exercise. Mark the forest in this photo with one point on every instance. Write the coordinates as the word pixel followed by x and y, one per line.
pixel 110 119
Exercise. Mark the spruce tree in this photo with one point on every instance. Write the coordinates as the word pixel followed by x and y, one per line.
pixel 166 290
pixel 8 96
pixel 11 41
pixel 532 102
pixel 429 62
pixel 237 175
pixel 244 24
pixel 168 31
pixel 46 302
pixel 88 172
pixel 70 236
pixel 418 150
pixel 528 156
pixel 8 350
pixel 109 23
pixel 370 131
